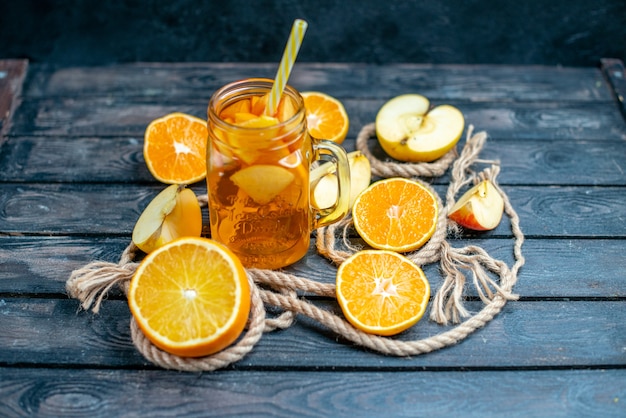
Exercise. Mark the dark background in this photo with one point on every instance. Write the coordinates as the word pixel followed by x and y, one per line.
pixel 76 32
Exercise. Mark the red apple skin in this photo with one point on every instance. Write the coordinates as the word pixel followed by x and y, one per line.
pixel 464 216
pixel 480 208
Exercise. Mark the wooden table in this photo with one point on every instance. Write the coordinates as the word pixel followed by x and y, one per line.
pixel 73 182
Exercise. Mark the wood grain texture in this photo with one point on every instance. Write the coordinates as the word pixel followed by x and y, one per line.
pixel 12 73
pixel 169 82
pixel 542 334
pixel 569 211
pixel 613 70
pixel 101 393
pixel 73 183
pixel 101 117
pixel 120 160
pixel 555 268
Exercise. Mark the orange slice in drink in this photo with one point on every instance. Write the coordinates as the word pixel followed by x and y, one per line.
pixel 381 292
pixel 326 117
pixel 250 120
pixel 240 106
pixel 175 148
pixel 190 297
pixel 395 214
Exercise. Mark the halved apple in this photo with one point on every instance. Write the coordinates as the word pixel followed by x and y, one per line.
pixel 480 208
pixel 324 181
pixel 172 214
pixel 408 130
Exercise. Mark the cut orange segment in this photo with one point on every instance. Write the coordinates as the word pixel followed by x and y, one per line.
pixel 240 106
pixel 381 292
pixel 190 297
pixel 175 148
pixel 326 117
pixel 395 214
pixel 249 120
pixel 258 104
pixel 263 182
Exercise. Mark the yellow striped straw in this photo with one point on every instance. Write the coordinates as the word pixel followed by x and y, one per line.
pixel 286 63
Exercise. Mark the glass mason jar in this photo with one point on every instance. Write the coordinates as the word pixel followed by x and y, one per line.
pixel 258 175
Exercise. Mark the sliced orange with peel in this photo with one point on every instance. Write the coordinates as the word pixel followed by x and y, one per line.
pixel 326 116
pixel 190 297
pixel 381 292
pixel 396 214
pixel 175 148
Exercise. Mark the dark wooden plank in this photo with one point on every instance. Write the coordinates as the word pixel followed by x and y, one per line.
pixel 589 211
pixel 69 160
pixel 613 70
pixel 42 265
pixel 65 207
pixel 569 268
pixel 162 81
pixel 542 334
pixel 104 117
pixel 120 160
pixel 12 74
pixel 106 393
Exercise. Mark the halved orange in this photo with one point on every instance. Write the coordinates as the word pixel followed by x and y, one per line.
pixel 174 148
pixel 190 297
pixel 381 292
pixel 395 214
pixel 326 117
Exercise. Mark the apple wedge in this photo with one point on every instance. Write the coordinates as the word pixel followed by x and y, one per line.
pixel 480 208
pixel 408 130
pixel 172 214
pixel 324 181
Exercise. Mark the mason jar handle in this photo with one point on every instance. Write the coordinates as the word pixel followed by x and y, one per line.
pixel 340 209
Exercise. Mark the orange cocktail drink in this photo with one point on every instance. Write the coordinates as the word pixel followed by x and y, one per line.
pixel 258 167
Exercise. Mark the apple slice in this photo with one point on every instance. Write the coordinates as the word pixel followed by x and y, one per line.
pixel 408 130
pixel 263 182
pixel 480 208
pixel 172 214
pixel 325 187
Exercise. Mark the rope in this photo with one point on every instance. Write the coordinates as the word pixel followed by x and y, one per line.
pixel 492 278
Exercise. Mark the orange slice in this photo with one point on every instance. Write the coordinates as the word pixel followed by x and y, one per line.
pixel 395 214
pixel 175 148
pixel 381 292
pixel 190 297
pixel 250 120
pixel 326 117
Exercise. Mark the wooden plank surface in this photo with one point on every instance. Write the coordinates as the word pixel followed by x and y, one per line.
pixel 542 334
pixel 12 73
pixel 119 159
pixel 171 82
pixel 568 211
pixel 73 182
pixel 613 70
pixel 95 393
pixel 554 270
pixel 88 116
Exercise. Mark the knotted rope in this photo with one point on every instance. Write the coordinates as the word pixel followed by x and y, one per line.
pixel 492 278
